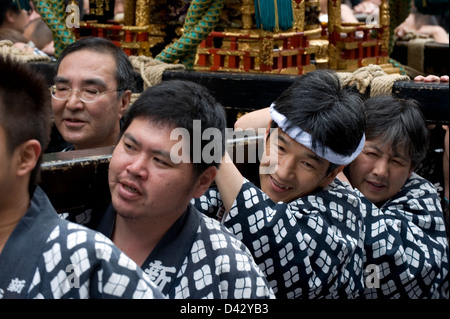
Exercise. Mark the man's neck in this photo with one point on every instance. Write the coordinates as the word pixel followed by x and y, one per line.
pixel 137 238
pixel 9 218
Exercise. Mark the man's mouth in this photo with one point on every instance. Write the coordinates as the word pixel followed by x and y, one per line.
pixel 279 185
pixel 375 185
pixel 131 189
pixel 73 122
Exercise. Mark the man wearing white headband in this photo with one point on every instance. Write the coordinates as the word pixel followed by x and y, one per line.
pixel 304 226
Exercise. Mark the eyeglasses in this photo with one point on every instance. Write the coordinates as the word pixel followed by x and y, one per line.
pixel 87 95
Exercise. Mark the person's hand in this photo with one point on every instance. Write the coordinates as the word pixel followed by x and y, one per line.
pixel 431 78
pixel 23 47
pixel 49 49
pixel 406 26
pixel 436 32
pixel 367 7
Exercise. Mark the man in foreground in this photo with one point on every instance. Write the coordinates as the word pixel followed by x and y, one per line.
pixel 172 143
pixel 41 255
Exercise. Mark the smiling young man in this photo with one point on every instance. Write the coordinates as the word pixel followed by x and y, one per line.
pixel 303 226
pixel 186 254
pixel 92 90
pixel 406 236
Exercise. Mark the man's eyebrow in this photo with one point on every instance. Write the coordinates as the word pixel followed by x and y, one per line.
pixel 376 148
pixel 400 156
pixel 281 138
pixel 394 154
pixel 162 153
pixel 310 155
pixel 94 82
pixel 60 79
pixel 134 141
pixel 315 158
pixel 131 138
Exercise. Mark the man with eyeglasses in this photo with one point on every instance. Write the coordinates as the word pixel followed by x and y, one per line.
pixel 41 255
pixel 91 91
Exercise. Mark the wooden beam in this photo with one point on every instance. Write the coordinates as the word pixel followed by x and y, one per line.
pixel 242 92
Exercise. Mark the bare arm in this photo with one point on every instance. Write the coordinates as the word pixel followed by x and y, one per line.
pixel 229 181
pixel 254 120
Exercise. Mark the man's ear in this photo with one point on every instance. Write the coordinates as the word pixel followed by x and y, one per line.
pixel 10 16
pixel 330 178
pixel 204 181
pixel 27 155
pixel 125 100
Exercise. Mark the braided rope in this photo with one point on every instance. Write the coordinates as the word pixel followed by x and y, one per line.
pixel 152 70
pixel 201 19
pixel 53 14
pixel 8 48
pixel 374 76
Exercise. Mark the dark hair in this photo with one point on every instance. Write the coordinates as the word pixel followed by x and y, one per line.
pixel 25 108
pixel 398 122
pixel 334 116
pixel 179 103
pixel 124 68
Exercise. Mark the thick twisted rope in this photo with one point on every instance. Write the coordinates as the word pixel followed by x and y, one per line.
pixel 53 14
pixel 373 75
pixel 7 48
pixel 152 70
pixel 201 18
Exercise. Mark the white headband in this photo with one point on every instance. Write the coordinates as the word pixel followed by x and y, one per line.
pixel 305 139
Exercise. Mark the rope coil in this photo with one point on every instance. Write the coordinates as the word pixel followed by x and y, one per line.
pixel 372 75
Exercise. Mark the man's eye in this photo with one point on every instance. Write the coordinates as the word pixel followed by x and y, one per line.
pixel 308 165
pixel 397 162
pixel 129 146
pixel 160 162
pixel 372 154
pixel 90 91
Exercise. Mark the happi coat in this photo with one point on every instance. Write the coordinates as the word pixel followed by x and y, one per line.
pixel 199 258
pixel 311 247
pixel 406 246
pixel 47 257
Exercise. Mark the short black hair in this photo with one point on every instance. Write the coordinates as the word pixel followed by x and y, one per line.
pixel 318 104
pixel 25 109
pixel 179 103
